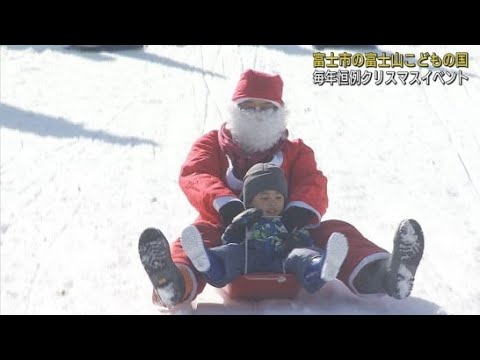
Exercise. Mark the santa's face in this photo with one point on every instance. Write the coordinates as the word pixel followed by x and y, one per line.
pixel 257 125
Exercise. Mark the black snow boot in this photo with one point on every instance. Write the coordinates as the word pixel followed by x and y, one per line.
pixel 167 280
pixel 396 275
pixel 408 245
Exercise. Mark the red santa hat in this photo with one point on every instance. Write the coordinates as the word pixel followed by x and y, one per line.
pixel 256 85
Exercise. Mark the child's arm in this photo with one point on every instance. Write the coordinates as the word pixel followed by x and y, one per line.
pixel 235 232
pixel 302 238
pixel 290 241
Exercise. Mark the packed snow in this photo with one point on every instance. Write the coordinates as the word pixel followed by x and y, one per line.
pixel 91 145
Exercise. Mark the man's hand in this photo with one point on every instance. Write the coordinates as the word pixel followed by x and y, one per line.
pixel 296 217
pixel 230 210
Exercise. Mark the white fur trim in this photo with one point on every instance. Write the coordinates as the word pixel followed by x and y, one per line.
pixel 232 182
pixel 222 200
pixel 306 206
pixel 193 293
pixel 236 184
pixel 241 100
pixel 369 259
pixel 277 159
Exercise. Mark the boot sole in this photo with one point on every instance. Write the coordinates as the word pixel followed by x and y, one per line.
pixel 408 246
pixel 192 243
pixel 335 254
pixel 154 251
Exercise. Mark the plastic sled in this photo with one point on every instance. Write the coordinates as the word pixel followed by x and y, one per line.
pixel 257 286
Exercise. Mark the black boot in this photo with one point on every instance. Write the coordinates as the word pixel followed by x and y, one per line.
pixel 396 275
pixel 408 245
pixel 154 251
pixel 371 278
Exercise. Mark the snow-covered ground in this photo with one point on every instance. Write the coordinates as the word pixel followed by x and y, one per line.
pixel 92 144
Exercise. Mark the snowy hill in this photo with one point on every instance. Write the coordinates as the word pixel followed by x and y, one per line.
pixel 91 146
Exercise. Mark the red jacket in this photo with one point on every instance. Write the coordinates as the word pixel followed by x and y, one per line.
pixel 206 178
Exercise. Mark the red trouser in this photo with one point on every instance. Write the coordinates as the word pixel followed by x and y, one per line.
pixel 359 247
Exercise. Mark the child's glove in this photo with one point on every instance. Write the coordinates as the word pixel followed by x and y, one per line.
pixel 282 244
pixel 235 232
pixel 296 217
pixel 247 217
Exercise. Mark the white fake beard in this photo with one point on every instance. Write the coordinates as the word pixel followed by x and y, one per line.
pixel 257 130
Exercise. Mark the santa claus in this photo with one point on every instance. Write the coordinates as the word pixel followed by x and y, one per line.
pixel 212 179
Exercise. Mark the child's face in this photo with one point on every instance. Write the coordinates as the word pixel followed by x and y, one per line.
pixel 271 202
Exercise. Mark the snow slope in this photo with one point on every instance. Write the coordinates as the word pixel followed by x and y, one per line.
pixel 91 146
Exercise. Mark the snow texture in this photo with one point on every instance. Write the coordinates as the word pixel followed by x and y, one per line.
pixel 91 145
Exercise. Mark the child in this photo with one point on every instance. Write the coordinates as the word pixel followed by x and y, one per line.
pixel 257 240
